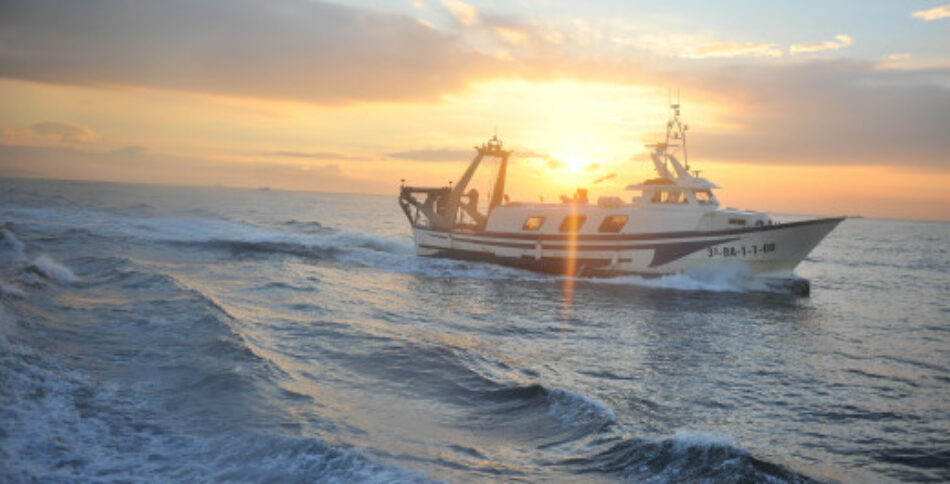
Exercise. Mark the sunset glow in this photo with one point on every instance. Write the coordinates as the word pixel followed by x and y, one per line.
pixel 790 116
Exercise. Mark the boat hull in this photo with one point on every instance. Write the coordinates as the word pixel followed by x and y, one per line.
pixel 773 250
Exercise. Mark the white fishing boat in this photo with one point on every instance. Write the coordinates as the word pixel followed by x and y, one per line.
pixel 675 225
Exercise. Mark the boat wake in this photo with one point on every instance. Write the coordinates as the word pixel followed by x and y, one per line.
pixel 726 277
pixel 686 456
pixel 579 434
pixel 315 242
pixel 51 269
pixel 178 370
pixel 85 397
pixel 60 424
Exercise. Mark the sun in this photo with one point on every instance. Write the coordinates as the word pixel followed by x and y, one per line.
pixel 574 162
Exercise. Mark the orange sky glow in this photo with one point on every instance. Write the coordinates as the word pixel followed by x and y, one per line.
pixel 782 127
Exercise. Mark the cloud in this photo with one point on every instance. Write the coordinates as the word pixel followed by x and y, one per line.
pixel 936 13
pixel 732 49
pixel 840 41
pixel 828 112
pixel 67 133
pixel 463 13
pixel 46 133
pixel 313 155
pixel 289 49
pixel 898 57
pixel 690 46
pixel 138 165
pixel 810 111
pixel 129 151
pixel 434 155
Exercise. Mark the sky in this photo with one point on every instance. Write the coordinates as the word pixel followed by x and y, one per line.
pixel 828 107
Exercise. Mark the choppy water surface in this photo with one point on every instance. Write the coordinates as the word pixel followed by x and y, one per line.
pixel 195 334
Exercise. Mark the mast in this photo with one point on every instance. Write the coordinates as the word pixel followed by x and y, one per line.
pixel 676 133
pixel 498 192
pixel 663 152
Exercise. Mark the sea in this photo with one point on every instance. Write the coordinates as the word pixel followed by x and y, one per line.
pixel 160 333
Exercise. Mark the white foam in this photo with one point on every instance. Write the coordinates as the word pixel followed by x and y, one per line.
pixel 10 290
pixel 15 246
pixel 54 270
pixel 571 408
pixel 715 278
pixel 352 240
pixel 681 282
pixel 687 438
pixel 198 230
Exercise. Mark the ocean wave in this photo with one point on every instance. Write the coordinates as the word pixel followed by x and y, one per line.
pixel 569 408
pixel 310 227
pixel 10 247
pixel 241 236
pixel 502 397
pixel 9 290
pixel 178 375
pixel 51 269
pixel 60 424
pixel 686 456
pixel 583 430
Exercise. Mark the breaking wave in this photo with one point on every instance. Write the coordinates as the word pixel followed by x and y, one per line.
pixel 14 253
pixel 51 269
pixel 583 431
pixel 178 372
pixel 686 456
pixel 10 247
pixel 63 425
pixel 10 290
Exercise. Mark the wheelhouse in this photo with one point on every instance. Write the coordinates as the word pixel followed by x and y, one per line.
pixel 674 195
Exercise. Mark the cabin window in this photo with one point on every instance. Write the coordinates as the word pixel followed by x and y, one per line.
pixel 572 223
pixel 737 221
pixel 612 224
pixel 666 196
pixel 533 223
pixel 704 197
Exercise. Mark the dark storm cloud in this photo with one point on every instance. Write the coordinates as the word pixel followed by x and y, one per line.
pixel 289 49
